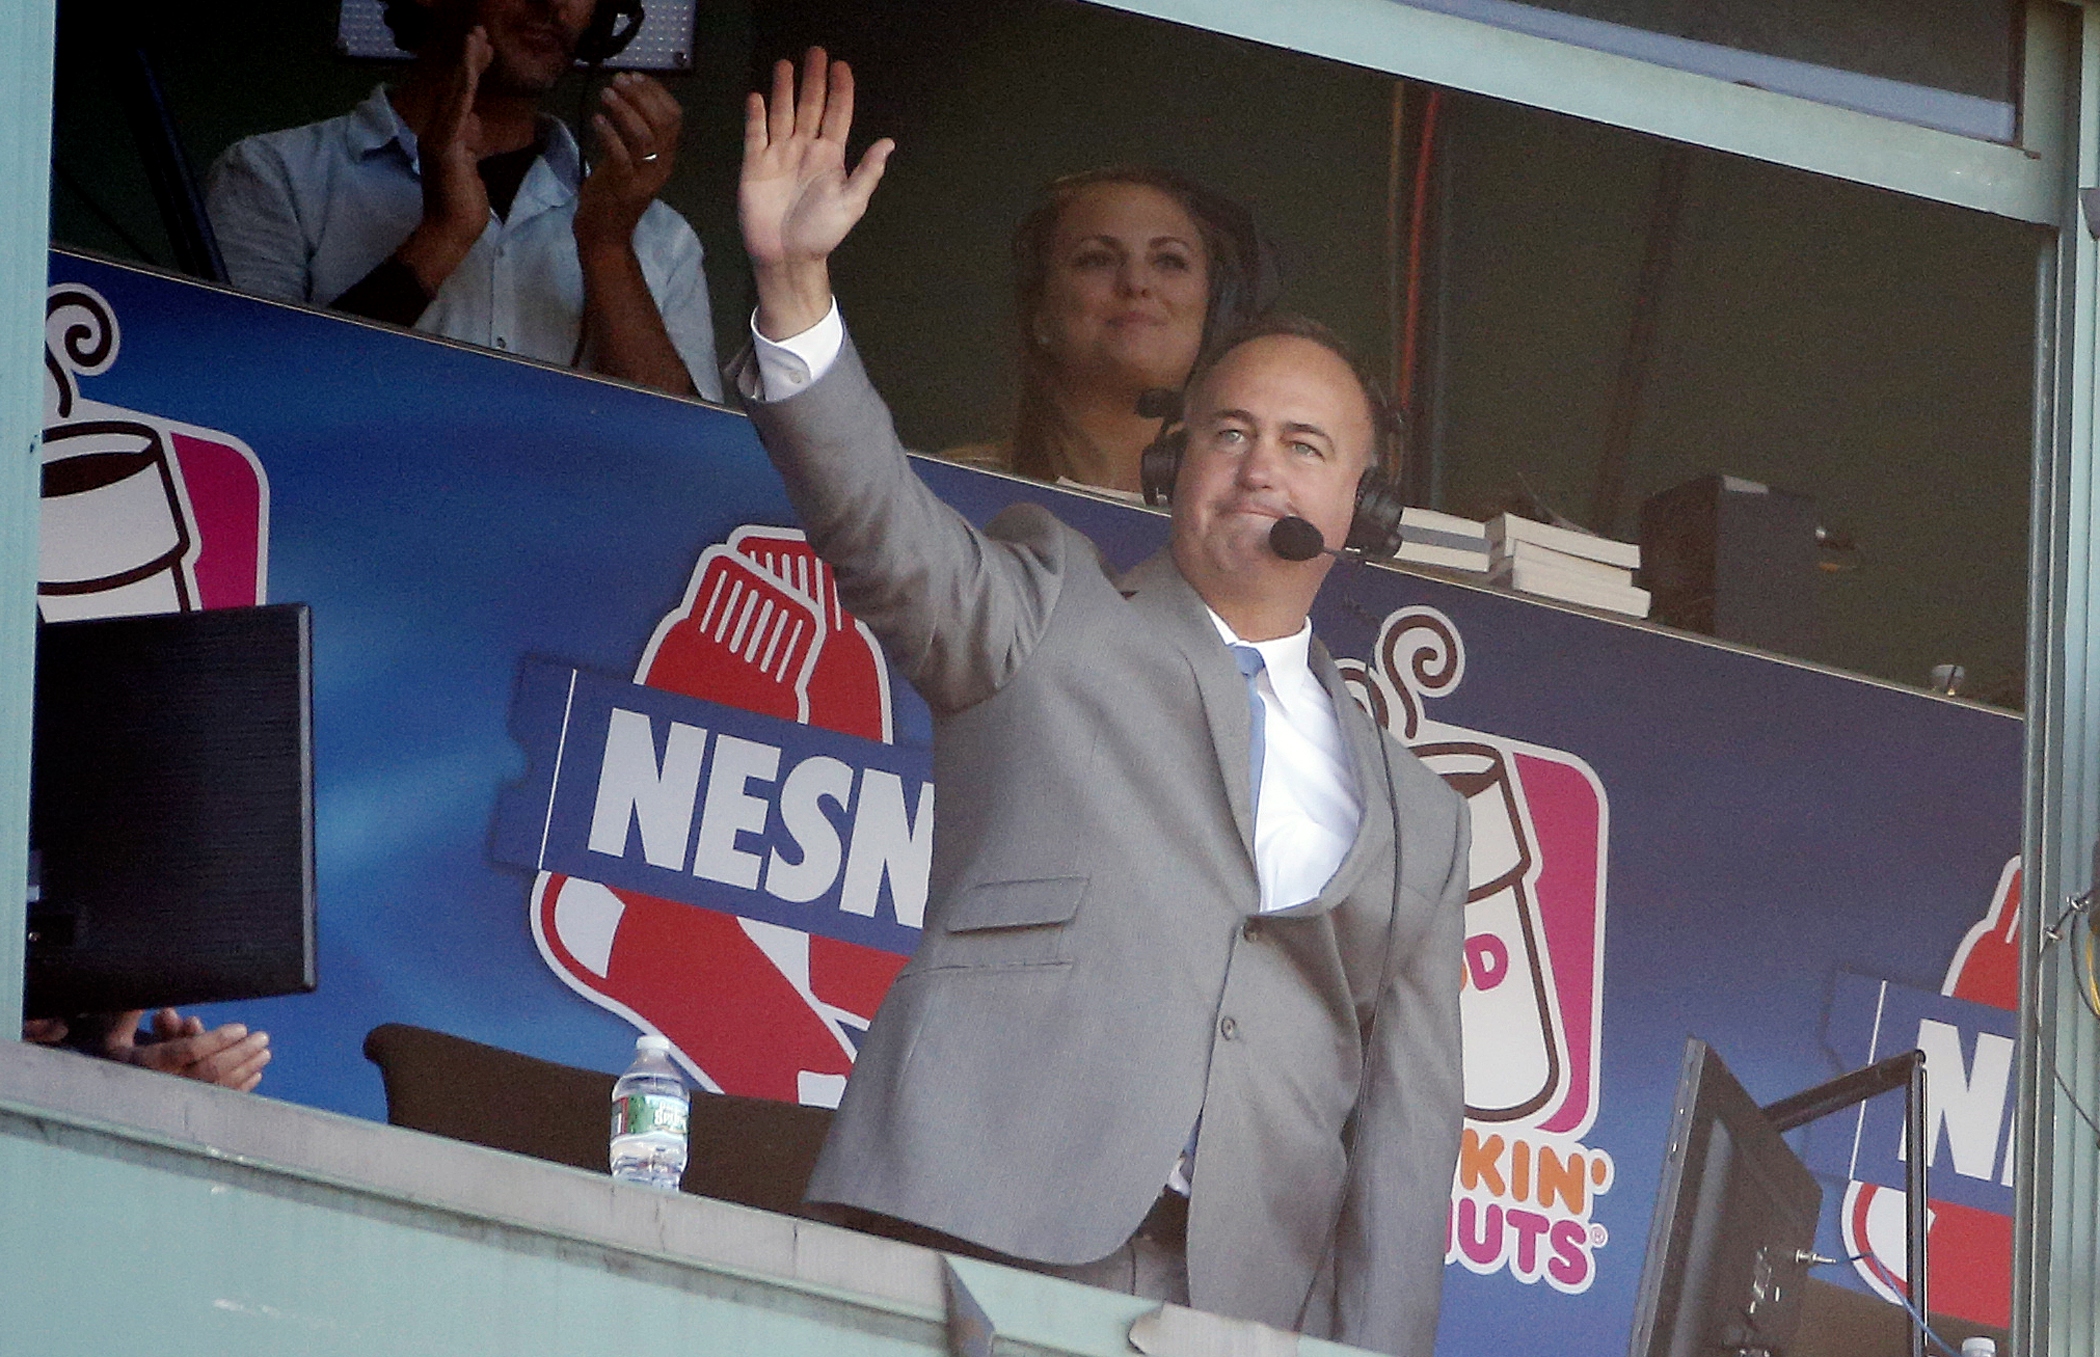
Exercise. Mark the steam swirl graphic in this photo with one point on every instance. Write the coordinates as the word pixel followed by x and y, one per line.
pixel 80 340
pixel 1420 656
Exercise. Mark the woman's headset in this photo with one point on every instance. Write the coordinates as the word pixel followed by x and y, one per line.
pixel 1374 529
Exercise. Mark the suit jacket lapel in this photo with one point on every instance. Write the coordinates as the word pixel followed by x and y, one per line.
pixel 1379 824
pixel 1177 614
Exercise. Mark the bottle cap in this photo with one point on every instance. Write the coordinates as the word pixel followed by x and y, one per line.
pixel 652 1042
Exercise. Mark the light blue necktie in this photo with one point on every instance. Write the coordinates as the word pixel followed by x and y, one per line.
pixel 1250 662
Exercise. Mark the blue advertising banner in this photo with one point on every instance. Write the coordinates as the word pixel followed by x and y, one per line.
pixel 597 750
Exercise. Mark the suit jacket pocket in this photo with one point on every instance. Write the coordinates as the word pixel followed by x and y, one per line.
pixel 1008 923
pixel 1017 904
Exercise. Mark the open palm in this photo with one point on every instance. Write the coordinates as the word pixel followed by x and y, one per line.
pixel 795 200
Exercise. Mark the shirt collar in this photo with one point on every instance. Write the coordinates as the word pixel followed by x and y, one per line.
pixel 375 125
pixel 1286 660
pixel 558 149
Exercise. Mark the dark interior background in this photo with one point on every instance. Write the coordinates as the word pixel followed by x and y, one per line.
pixel 1869 350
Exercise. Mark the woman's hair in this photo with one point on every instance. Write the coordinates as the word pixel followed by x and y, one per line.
pixel 1242 276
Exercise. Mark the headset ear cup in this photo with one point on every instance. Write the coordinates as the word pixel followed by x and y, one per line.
pixel 1160 464
pixel 1375 528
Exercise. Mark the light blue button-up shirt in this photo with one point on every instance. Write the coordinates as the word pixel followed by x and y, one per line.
pixel 303 214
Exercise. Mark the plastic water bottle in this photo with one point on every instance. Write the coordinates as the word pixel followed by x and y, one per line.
pixel 1979 1347
pixel 649 1107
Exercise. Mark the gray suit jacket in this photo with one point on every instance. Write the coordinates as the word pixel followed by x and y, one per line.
pixel 1092 975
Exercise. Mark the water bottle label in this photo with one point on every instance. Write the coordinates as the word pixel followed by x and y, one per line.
pixel 641 1114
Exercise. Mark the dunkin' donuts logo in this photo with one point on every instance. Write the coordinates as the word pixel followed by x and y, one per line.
pixel 140 514
pixel 1533 994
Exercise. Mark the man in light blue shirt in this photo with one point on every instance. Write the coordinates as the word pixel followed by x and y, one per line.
pixel 451 204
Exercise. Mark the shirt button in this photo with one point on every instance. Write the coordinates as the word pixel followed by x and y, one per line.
pixel 1227 1028
pixel 1251 930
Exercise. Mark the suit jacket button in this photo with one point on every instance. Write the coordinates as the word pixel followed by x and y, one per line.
pixel 1251 930
pixel 1227 1028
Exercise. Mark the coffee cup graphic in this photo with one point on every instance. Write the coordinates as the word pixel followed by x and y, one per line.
pixel 1512 1060
pixel 116 538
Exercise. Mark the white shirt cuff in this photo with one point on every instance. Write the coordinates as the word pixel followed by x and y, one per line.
pixel 791 365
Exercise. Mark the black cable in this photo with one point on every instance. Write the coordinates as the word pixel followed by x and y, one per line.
pixel 2088 984
pixel 2056 1072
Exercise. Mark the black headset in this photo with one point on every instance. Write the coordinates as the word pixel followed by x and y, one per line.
pixel 1374 529
pixel 606 36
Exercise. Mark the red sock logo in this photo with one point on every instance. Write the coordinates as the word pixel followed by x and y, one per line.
pixel 754 1008
pixel 1970 1249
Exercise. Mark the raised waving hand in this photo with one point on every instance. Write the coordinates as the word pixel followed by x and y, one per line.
pixel 795 199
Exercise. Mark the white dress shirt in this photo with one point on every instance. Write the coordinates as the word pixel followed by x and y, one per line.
pixel 1308 811
pixel 303 214
pixel 786 366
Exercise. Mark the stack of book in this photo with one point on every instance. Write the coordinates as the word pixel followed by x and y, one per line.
pixel 1430 538
pixel 1563 563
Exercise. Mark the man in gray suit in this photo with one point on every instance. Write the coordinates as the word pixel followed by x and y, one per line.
pixel 1184 1018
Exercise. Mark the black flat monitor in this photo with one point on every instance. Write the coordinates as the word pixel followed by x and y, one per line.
pixel 1734 1230
pixel 171 811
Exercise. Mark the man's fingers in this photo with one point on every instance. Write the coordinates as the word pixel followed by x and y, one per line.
pixel 754 127
pixel 169 1024
pixel 809 114
pixel 456 112
pixel 479 52
pixel 631 126
pixel 780 122
pixel 612 150
pixel 474 57
pixel 237 1066
pixel 655 104
pixel 125 1030
pixel 838 108
pixel 868 173
pixel 44 1031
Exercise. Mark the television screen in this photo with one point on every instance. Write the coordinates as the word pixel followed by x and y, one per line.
pixel 1734 1230
pixel 171 811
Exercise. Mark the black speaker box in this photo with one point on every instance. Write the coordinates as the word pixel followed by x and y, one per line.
pixel 1733 559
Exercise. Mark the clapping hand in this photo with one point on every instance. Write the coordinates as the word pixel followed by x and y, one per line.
pixel 230 1056
pixel 795 200
pixel 448 154
pixel 637 134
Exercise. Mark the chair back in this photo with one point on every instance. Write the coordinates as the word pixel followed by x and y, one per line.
pixel 748 1150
